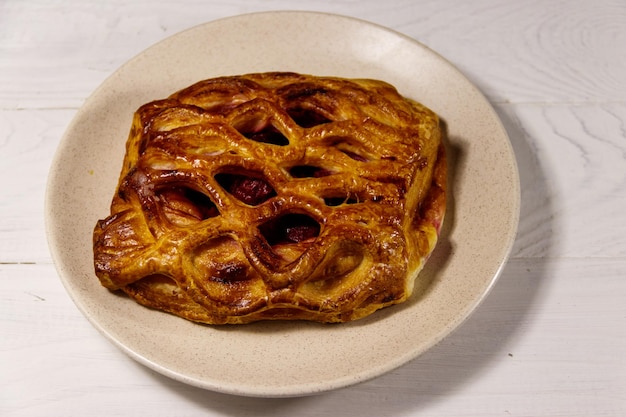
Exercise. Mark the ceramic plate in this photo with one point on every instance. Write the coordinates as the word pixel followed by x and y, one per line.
pixel 275 359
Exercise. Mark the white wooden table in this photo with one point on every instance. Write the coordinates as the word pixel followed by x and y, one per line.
pixel 550 340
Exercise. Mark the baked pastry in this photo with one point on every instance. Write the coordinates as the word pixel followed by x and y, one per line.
pixel 275 196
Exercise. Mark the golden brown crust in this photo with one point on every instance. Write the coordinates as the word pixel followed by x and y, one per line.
pixel 275 196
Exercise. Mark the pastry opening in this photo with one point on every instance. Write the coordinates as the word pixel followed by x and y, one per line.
pixel 290 228
pixel 340 200
pixel 250 188
pixel 354 155
pixel 308 171
pixel 259 129
pixel 345 145
pixel 182 205
pixel 230 272
pixel 307 117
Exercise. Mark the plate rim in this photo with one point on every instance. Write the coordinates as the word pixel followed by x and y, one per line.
pixel 255 391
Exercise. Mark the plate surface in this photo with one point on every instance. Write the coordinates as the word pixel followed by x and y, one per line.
pixel 274 359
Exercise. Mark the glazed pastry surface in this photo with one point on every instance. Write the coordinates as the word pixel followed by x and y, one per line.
pixel 275 196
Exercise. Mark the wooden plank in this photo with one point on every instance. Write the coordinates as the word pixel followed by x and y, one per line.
pixel 548 340
pixel 28 142
pixel 56 54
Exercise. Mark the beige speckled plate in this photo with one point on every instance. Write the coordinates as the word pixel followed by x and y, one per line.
pixel 289 358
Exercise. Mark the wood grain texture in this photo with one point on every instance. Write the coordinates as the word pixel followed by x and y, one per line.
pixel 572 163
pixel 55 54
pixel 28 139
pixel 549 339
pixel 538 345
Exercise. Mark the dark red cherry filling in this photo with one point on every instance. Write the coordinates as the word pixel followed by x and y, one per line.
pixel 269 134
pixel 308 171
pixel 260 129
pixel 307 117
pixel 248 189
pixel 354 155
pixel 290 228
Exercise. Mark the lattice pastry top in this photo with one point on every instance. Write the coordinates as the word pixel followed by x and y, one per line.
pixel 275 196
